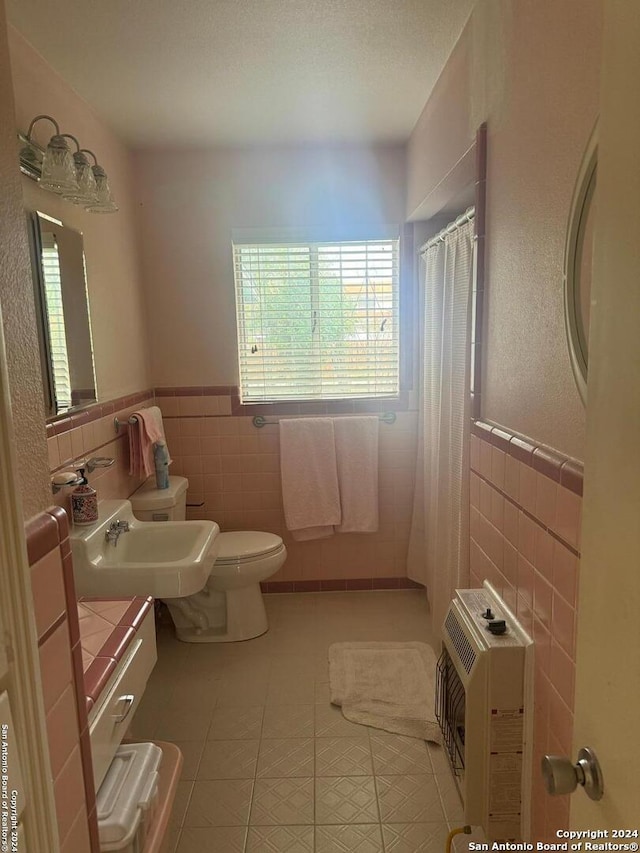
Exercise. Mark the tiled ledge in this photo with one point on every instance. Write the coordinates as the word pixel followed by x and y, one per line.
pixel 223 401
pixel 65 423
pixel 106 630
pixel 554 465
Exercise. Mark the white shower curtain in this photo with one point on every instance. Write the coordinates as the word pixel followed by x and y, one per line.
pixel 439 541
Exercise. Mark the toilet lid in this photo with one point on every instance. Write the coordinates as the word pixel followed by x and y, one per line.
pixel 245 544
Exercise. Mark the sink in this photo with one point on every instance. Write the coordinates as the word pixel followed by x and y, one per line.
pixel 166 559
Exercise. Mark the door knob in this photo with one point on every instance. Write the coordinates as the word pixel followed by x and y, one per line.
pixel 563 777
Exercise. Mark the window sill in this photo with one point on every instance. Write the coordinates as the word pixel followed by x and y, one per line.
pixel 323 407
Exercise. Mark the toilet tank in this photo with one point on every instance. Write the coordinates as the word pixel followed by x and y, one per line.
pixel 152 504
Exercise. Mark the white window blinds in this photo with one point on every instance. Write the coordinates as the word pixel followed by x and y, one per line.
pixel 317 320
pixel 55 317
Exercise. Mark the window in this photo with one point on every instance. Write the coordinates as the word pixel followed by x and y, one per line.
pixel 317 320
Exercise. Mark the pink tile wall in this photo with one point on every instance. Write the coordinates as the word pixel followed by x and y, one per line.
pixel 525 539
pixel 56 617
pixel 234 479
pixel 77 441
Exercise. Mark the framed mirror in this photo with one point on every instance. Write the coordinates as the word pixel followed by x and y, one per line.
pixel 578 265
pixel 64 328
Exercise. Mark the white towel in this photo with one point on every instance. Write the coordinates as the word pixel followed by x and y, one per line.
pixel 309 477
pixel 357 459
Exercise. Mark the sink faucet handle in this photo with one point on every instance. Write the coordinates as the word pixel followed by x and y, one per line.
pixel 122 526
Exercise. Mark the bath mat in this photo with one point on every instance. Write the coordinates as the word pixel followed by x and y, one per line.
pixel 389 686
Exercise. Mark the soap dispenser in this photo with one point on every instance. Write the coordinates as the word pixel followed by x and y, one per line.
pixel 84 502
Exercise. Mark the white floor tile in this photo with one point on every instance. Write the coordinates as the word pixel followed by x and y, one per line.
pixel 220 839
pixel 286 757
pixel 409 799
pixel 267 756
pixel 346 799
pixel 282 801
pixel 414 837
pixel 236 722
pixel 220 803
pixel 229 759
pixel 174 724
pixel 288 721
pixel 350 838
pixel 393 754
pixel 342 756
pixel 280 839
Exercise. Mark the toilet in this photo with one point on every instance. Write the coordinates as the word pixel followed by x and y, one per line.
pixel 230 607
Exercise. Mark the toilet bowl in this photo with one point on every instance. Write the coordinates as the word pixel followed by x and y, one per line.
pixel 230 607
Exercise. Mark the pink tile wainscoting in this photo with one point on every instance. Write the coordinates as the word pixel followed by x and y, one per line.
pixel 234 478
pixel 526 506
pixel 92 433
pixel 57 626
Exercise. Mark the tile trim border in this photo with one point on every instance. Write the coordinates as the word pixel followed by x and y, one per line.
pixel 556 466
pixel 340 585
pixel 64 423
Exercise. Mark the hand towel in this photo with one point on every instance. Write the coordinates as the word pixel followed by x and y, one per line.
pixel 143 434
pixel 309 477
pixel 356 441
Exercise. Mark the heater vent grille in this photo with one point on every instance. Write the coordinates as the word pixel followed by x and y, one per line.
pixel 460 642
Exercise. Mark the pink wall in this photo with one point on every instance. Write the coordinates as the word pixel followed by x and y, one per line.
pixel 110 242
pixel 191 200
pixel 526 508
pixel 234 471
pixel 19 340
pixel 92 433
pixel 540 102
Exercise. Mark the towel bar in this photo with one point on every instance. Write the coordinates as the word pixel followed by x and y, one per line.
pixel 118 423
pixel 260 421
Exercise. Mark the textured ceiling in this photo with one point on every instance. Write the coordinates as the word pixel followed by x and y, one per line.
pixel 247 72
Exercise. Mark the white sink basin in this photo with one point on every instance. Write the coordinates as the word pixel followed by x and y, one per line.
pixel 166 559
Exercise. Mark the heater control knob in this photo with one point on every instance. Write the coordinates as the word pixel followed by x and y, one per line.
pixel 497 626
pixel 487 614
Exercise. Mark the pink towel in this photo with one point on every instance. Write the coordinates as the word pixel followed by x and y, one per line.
pixel 143 435
pixel 356 442
pixel 309 477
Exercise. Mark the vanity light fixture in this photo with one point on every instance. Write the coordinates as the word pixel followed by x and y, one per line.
pixel 86 191
pixel 71 176
pixel 103 202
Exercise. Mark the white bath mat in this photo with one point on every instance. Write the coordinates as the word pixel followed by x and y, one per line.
pixel 388 686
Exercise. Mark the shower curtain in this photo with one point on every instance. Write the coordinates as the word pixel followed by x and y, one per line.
pixel 438 555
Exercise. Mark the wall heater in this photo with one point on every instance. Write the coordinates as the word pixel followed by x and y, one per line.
pixel 484 708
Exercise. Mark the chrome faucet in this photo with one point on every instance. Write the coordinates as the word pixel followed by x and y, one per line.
pixel 116 529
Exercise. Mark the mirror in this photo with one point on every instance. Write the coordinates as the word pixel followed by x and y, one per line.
pixel 66 351
pixel 578 261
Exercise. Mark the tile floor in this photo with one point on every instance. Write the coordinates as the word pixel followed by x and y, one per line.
pixel 269 765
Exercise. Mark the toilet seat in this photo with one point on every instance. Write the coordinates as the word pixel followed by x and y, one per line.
pixel 244 546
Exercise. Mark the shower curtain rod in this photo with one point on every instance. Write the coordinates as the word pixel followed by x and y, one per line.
pixel 465 217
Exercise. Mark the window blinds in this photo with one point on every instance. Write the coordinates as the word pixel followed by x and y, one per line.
pixel 317 320
pixel 55 317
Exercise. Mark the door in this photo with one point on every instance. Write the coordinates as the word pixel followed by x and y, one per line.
pixel 607 715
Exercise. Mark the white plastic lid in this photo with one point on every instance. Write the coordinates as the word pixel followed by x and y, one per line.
pixel 148 496
pixel 125 791
pixel 241 544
